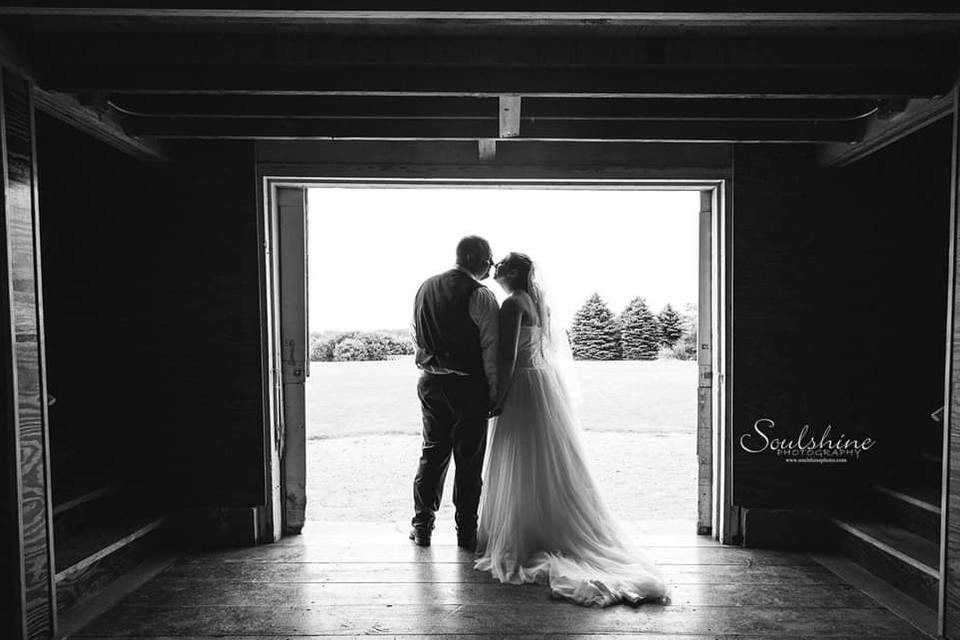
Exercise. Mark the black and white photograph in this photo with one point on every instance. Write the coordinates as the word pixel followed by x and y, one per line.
pixel 480 321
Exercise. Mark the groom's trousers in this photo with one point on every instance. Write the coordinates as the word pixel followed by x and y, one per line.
pixel 454 411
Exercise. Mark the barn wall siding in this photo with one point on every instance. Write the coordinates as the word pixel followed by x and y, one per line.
pixel 839 295
pixel 27 425
pixel 153 298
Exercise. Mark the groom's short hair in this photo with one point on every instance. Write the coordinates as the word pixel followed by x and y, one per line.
pixel 471 249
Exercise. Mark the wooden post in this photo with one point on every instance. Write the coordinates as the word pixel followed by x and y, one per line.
pixel 509 116
pixel 25 421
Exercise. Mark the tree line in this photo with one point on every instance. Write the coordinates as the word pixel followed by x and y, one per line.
pixel 595 334
pixel 636 334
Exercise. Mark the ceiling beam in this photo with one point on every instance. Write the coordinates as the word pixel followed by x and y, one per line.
pixel 283 128
pixel 654 81
pixel 631 19
pixel 502 51
pixel 299 106
pixel 527 128
pixel 100 124
pixel 770 109
pixel 689 14
pixel 882 130
pixel 452 107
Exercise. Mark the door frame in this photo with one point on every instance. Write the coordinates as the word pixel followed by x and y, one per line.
pixel 715 434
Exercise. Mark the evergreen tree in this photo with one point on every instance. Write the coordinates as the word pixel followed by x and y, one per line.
pixel 595 334
pixel 671 326
pixel 686 347
pixel 640 330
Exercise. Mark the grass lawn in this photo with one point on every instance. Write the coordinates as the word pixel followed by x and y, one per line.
pixel 363 429
pixel 351 398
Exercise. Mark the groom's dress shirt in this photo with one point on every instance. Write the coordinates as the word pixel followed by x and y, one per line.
pixel 485 313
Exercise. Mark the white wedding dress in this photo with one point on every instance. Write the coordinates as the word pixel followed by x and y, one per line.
pixel 542 518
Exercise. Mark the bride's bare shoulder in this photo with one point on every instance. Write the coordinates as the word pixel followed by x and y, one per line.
pixel 518 300
pixel 521 301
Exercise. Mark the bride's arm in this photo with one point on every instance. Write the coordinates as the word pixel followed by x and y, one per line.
pixel 510 315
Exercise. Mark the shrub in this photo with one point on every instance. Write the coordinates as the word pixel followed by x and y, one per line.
pixel 349 350
pixel 686 346
pixel 377 346
pixel 322 350
pixel 671 326
pixel 374 345
pixel 400 346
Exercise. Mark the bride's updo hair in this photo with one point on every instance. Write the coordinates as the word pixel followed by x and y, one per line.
pixel 524 267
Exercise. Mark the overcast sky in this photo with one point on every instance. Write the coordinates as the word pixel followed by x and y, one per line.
pixel 370 248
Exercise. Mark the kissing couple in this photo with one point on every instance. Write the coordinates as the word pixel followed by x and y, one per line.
pixel 539 517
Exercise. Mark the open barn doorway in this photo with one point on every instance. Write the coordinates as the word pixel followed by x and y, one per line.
pixel 343 261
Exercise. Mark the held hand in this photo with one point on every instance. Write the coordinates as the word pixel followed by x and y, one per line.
pixel 496 406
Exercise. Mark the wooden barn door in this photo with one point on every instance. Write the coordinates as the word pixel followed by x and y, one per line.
pixel 294 352
pixel 286 358
pixel 705 368
pixel 715 514
pixel 949 593
pixel 28 603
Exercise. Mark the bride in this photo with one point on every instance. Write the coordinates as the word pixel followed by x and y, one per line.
pixel 542 518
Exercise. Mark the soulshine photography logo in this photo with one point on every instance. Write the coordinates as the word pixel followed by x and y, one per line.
pixel 805 445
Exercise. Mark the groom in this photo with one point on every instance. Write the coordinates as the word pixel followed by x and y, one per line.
pixel 455 330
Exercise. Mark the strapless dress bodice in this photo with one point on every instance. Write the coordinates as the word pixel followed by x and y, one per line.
pixel 528 348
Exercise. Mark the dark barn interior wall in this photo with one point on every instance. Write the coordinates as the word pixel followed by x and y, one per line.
pixel 839 296
pixel 152 309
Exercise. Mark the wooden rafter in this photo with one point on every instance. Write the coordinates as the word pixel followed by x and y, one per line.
pixel 465 129
pixel 99 124
pixel 609 15
pixel 503 51
pixel 454 107
pixel 666 82
pixel 881 131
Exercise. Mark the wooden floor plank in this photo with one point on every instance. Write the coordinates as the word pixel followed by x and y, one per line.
pixel 338 584
pixel 321 533
pixel 408 552
pixel 462 572
pixel 326 529
pixel 509 636
pixel 173 594
pixel 450 539
pixel 559 617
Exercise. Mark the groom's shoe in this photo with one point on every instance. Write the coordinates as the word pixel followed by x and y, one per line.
pixel 467 540
pixel 420 537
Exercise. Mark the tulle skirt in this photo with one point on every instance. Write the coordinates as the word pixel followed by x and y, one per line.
pixel 542 518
